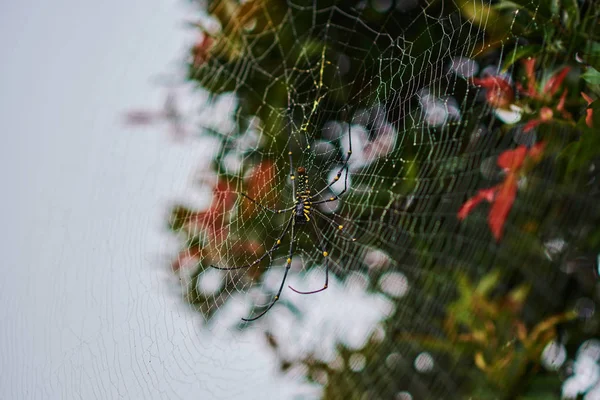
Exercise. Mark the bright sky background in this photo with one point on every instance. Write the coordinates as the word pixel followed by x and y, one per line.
pixel 89 307
pixel 88 310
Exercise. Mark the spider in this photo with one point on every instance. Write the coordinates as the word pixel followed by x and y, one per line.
pixel 300 215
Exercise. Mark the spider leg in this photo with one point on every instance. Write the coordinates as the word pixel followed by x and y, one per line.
pixel 326 256
pixel 339 173
pixel 292 176
pixel 287 269
pixel 273 210
pixel 331 222
pixel 334 197
pixel 289 259
pixel 267 254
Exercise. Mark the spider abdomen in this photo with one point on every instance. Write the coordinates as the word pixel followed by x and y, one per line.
pixel 302 211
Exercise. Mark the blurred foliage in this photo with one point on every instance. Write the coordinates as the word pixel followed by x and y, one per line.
pixel 483 304
pixel 491 331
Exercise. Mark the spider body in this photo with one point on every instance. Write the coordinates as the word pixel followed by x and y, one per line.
pixel 302 205
pixel 300 215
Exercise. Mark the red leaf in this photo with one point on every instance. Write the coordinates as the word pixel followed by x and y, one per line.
pixel 561 105
pixel 589 112
pixel 546 114
pixel 223 197
pixel 499 92
pixel 213 220
pixel 201 50
pixel 512 160
pixel 502 205
pixel 529 66
pixel 261 181
pixel 531 92
pixel 491 82
pixel 470 204
pixel 536 151
pixel 531 124
pixel 499 98
pixel 556 81
pixel 561 102
pixel 187 258
pixel 503 195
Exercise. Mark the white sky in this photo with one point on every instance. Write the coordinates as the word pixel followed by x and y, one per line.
pixel 88 307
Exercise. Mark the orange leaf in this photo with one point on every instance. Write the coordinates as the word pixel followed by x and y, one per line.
pixel 587 98
pixel 589 112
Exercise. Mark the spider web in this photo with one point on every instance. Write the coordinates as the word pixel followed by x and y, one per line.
pixel 400 106
pixel 393 79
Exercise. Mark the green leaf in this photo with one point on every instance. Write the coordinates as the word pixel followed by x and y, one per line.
pixel 549 31
pixel 588 51
pixel 591 76
pixel 571 16
pixel 580 153
pixel 179 216
pixel 554 7
pixel 542 387
pixel 522 52
pixel 591 54
pixel 542 9
pixel 488 282
pixel 507 5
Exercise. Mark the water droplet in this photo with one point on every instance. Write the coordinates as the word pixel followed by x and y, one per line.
pixel 403 396
pixel 357 362
pixel 381 6
pixel 424 362
pixel 394 284
pixel 553 356
pixel 393 360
